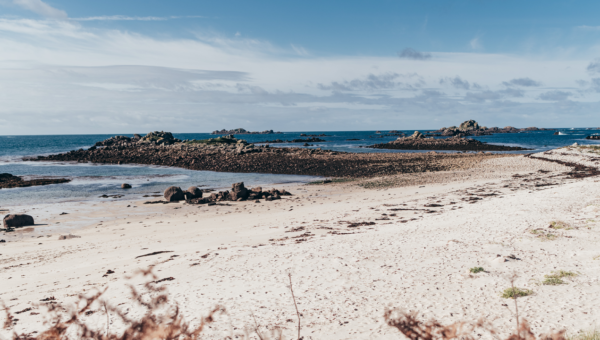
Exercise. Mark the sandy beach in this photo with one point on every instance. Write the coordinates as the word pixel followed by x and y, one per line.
pixel 353 249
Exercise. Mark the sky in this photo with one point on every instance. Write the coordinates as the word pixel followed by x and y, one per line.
pixel 83 67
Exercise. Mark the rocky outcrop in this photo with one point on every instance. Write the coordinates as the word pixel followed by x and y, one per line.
pixel 17 221
pixel 156 137
pixel 240 156
pixel 472 128
pixel 10 181
pixel 419 142
pixel 241 131
pixel 593 137
pixel 240 193
pixel 174 194
pixel 125 186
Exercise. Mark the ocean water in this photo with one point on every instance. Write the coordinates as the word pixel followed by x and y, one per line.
pixel 89 181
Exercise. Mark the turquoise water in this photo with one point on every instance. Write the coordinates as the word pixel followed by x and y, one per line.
pixel 90 181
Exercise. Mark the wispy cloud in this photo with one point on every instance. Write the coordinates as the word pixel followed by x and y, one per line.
pixel 594 66
pixel 41 8
pixel 456 82
pixel 64 77
pixel 135 18
pixel 299 50
pixel 555 95
pixel 475 43
pixel 588 28
pixel 527 82
pixel 411 53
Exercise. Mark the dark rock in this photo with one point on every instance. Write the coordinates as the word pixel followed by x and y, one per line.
pixel 238 190
pixel 125 186
pixel 17 221
pixel 173 194
pixel 68 237
pixel 10 181
pixel 193 192
pixel 593 137
pixel 418 142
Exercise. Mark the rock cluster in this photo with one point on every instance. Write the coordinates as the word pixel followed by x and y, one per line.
pixel 419 142
pixel 241 131
pixel 239 156
pixel 472 128
pixel 156 138
pixel 238 192
pixel 175 194
pixel 10 181
pixel 16 221
pixel 593 137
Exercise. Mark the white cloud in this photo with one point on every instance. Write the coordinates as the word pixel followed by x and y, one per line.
pixel 41 8
pixel 475 43
pixel 299 50
pixel 60 77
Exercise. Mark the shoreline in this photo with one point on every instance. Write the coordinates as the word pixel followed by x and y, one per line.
pixel 413 251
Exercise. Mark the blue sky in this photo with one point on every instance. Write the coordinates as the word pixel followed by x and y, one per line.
pixel 194 66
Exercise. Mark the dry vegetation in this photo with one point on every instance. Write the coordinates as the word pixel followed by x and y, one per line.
pixel 162 320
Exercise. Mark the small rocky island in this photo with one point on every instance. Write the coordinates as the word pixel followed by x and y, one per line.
pixel 241 131
pixel 229 154
pixel 472 128
pixel 10 181
pixel 418 141
pixel 593 137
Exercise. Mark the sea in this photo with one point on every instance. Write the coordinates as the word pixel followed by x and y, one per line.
pixel 91 181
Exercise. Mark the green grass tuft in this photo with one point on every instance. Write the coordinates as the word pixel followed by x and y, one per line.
pixel 560 225
pixel 476 270
pixel 556 278
pixel 513 293
pixel 552 281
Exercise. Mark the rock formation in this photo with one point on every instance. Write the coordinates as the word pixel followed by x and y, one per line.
pixel 419 142
pixel 241 131
pixel 234 155
pixel 17 221
pixel 472 128
pixel 10 181
pixel 173 194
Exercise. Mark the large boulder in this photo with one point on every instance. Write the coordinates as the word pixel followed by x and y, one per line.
pixel 17 220
pixel 192 192
pixel 173 194
pixel 239 191
pixel 469 125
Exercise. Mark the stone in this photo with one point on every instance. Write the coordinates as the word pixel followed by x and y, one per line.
pixel 193 192
pixel 68 237
pixel 469 125
pixel 173 194
pixel 17 220
pixel 239 191
pixel 125 186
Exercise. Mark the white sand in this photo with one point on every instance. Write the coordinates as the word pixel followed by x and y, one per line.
pixel 343 282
